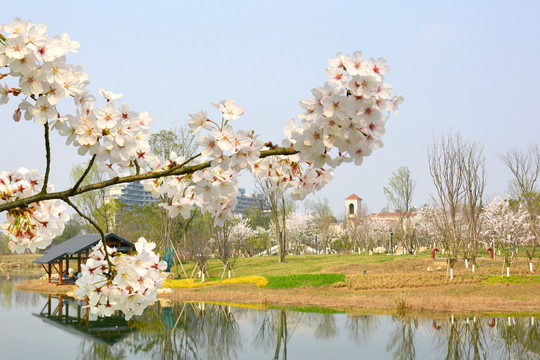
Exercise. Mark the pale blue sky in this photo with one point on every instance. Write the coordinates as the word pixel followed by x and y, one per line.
pixel 466 66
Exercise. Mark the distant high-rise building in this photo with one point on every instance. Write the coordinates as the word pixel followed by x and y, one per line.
pixel 249 201
pixel 129 194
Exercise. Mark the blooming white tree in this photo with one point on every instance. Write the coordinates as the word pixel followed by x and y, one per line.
pixel 240 234
pixel 344 122
pixel 300 230
pixel 232 240
pixel 506 228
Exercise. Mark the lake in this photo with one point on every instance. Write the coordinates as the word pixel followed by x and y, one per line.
pixel 37 326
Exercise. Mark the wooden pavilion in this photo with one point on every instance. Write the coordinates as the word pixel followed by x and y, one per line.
pixel 77 249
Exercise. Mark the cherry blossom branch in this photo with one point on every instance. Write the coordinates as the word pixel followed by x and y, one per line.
pixel 48 157
pixel 180 169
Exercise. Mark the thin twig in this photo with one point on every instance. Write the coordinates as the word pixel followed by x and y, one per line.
pixel 79 182
pixel 48 157
pixel 94 224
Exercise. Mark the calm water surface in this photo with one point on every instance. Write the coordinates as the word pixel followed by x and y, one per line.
pixel 35 326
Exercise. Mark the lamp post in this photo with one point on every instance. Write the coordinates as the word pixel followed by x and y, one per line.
pixel 392 243
pixel 316 245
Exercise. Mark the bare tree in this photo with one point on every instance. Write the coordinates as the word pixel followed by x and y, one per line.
pixel 525 166
pixel 445 166
pixel 399 194
pixel 458 171
pixel 474 181
pixel 279 210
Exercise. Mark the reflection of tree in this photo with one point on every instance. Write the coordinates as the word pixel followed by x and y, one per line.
pixel 360 327
pixel 476 340
pixel 219 332
pixel 402 338
pixel 455 340
pixel 91 350
pixel 276 328
pixel 518 338
pixel 176 331
pixel 179 331
pixel 9 296
pixel 463 339
pixel 268 327
pixel 281 335
pixel 326 327
pixel 274 331
pixel 165 332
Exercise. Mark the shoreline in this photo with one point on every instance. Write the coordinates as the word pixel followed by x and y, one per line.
pixel 462 298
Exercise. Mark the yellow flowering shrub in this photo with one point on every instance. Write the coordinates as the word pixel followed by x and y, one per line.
pixel 258 281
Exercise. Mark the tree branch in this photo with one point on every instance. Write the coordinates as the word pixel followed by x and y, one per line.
pixel 180 169
pixel 94 224
pixel 90 164
pixel 48 157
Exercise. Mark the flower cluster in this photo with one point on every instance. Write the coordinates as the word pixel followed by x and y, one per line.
pixel 345 120
pixel 34 226
pixel 116 135
pixel 121 282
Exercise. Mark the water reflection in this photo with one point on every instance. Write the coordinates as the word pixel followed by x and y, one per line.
pixel 9 297
pixel 401 341
pixel 74 316
pixel 174 330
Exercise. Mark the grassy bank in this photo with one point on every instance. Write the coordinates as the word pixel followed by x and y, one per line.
pixel 412 283
pixel 357 264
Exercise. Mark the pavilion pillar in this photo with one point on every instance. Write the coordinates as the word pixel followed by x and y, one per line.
pixel 87 312
pixel 60 304
pixel 49 273
pixel 60 271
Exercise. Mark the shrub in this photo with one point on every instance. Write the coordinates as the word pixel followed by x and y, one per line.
pixel 303 280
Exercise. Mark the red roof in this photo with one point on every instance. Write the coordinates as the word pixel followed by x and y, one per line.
pixel 353 197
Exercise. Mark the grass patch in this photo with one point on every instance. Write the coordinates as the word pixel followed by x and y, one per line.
pixel 303 280
pixel 294 264
pixel 393 281
pixel 258 281
pixel 512 279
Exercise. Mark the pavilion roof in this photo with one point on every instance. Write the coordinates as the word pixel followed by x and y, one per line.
pixel 77 245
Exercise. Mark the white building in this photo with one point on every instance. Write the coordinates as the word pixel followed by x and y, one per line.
pixel 129 194
pixel 249 201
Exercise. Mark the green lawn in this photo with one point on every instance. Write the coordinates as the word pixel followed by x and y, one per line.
pixel 294 264
pixel 303 280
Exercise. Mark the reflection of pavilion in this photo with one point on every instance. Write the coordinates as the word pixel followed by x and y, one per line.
pixel 72 316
